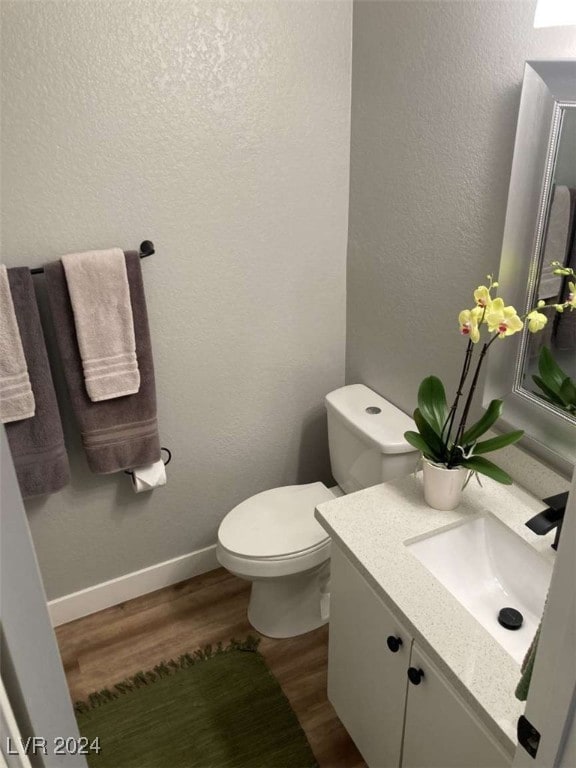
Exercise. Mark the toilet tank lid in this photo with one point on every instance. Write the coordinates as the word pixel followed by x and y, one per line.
pixel 372 416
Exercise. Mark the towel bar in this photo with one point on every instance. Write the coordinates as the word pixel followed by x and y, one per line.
pixel 146 249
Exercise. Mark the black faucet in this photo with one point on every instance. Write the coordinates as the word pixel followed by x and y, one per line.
pixel 550 518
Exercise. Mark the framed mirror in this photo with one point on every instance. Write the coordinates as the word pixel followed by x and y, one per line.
pixel 540 228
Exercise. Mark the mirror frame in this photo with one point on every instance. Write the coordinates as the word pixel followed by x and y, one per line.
pixel 549 88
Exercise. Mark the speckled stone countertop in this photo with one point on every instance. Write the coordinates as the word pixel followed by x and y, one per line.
pixel 372 526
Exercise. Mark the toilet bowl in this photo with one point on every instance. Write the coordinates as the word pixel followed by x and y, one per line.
pixel 273 540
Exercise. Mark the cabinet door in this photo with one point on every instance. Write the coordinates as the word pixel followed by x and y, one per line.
pixel 441 731
pixel 367 681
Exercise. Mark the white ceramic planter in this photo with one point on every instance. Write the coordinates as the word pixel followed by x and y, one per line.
pixel 443 487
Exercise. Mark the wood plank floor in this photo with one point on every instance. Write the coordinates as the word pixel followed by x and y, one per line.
pixel 102 649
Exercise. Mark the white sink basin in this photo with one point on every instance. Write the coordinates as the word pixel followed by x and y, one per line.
pixel 487 567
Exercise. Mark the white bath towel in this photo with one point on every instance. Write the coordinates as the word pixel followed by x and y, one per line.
pixel 100 298
pixel 16 397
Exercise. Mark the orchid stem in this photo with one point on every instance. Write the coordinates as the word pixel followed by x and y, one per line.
pixel 462 426
pixel 459 392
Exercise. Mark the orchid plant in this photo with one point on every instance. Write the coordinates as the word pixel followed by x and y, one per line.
pixel 450 442
pixel 556 386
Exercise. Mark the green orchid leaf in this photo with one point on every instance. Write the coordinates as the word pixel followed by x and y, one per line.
pixel 549 369
pixel 568 392
pixel 483 425
pixel 430 437
pixel 432 402
pixel 496 443
pixel 418 442
pixel 485 467
pixel 557 387
pixel 552 394
pixel 553 401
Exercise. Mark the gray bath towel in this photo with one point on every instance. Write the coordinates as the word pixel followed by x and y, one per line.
pixel 37 444
pixel 121 433
pixel 98 287
pixel 16 397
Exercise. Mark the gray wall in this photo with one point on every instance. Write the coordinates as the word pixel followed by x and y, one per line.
pixel 435 95
pixel 221 132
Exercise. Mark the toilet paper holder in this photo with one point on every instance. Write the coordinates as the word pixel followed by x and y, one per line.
pixel 166 462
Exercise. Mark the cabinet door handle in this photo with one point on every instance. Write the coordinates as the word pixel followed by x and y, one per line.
pixel 393 643
pixel 415 675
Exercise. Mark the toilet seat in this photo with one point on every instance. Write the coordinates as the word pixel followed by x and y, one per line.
pixel 274 533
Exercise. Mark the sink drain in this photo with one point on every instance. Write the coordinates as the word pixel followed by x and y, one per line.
pixel 510 618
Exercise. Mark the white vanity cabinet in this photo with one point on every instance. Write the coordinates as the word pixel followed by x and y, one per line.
pixel 440 730
pixel 394 722
pixel 366 681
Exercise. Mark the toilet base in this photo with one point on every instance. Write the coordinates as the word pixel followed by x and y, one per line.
pixel 290 605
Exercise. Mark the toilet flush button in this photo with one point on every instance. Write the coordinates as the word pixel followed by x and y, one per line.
pixel 373 409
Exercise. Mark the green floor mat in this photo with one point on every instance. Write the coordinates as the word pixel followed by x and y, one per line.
pixel 210 709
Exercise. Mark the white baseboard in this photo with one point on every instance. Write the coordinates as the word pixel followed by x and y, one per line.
pixel 108 593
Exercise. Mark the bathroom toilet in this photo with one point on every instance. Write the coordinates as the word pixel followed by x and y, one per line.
pixel 273 540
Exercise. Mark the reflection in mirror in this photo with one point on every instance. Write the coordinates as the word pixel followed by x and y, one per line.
pixel 540 228
pixel 541 368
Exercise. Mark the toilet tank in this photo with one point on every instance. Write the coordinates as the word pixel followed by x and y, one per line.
pixel 366 438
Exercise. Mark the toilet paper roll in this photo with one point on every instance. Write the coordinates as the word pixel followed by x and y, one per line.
pixel 148 477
